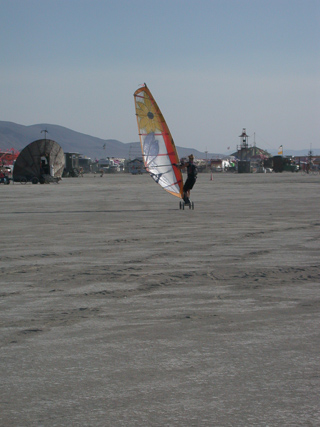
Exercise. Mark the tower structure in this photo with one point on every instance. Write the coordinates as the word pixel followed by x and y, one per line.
pixel 244 145
pixel 243 151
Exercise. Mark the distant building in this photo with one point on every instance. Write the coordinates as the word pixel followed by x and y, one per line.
pixel 249 158
pixel 72 165
pixel 246 152
pixel 219 165
pixel 86 164
pixel 136 166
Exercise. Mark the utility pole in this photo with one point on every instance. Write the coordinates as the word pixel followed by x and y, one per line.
pixel 206 159
pixel 45 133
pixel 310 154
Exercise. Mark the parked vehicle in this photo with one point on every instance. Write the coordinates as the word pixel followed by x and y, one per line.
pixel 281 164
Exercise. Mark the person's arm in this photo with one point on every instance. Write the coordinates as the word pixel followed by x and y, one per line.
pixel 181 166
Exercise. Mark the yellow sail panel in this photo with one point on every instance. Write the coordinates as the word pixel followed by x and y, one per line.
pixel 158 149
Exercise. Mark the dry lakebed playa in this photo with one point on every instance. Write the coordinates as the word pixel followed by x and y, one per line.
pixel 120 309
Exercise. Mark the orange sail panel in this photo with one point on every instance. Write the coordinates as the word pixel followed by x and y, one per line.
pixel 158 149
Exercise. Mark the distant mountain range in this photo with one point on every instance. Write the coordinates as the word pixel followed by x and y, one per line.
pixel 13 135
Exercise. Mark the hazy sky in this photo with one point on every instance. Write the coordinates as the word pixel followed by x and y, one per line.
pixel 213 66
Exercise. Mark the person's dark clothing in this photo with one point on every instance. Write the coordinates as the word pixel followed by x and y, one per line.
pixel 192 176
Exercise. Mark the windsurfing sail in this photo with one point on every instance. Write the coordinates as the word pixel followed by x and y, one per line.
pixel 159 152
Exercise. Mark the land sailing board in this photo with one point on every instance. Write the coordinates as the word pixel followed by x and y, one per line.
pixel 182 205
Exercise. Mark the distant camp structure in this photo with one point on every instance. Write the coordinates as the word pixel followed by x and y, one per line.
pixel 8 157
pixel 249 156
pixel 136 166
pixel 41 161
pixel 72 168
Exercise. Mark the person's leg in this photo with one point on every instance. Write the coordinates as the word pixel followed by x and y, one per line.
pixel 186 189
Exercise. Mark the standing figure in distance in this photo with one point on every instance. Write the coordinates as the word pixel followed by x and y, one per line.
pixel 191 178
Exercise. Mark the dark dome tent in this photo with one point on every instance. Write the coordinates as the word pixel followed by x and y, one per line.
pixel 41 161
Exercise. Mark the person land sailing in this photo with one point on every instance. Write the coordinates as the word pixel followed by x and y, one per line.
pixel 191 178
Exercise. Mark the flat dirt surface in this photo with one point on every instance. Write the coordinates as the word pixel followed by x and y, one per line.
pixel 120 309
